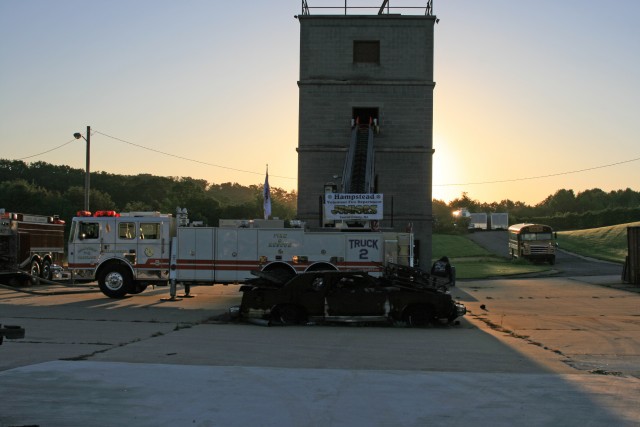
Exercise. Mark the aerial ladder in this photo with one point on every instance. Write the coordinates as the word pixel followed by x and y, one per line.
pixel 358 175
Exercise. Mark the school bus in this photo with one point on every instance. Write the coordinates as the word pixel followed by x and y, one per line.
pixel 532 241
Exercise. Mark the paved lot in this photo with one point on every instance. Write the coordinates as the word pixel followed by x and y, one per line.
pixel 561 351
pixel 592 322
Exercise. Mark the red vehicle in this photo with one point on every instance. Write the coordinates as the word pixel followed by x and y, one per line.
pixel 30 243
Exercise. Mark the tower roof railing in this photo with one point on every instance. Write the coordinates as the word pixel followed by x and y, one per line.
pixel 356 7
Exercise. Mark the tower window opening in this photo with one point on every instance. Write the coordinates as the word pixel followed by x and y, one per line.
pixel 366 51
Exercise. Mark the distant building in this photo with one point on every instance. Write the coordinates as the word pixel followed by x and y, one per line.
pixel 361 67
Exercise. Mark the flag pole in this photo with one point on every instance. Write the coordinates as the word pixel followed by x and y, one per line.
pixel 266 193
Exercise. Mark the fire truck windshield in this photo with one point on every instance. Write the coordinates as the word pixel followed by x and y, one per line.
pixel 88 230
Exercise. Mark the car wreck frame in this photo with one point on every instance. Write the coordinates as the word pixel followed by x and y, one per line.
pixel 347 297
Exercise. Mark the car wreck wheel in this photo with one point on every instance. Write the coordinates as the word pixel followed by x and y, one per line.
pixel 288 315
pixel 419 316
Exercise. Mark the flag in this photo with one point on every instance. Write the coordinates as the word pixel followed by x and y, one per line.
pixel 267 196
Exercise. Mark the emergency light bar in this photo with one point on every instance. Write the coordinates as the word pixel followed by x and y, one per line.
pixel 106 213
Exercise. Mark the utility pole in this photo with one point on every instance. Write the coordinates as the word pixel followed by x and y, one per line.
pixel 87 176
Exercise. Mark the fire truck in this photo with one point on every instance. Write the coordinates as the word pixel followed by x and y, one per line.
pixel 127 252
pixel 30 243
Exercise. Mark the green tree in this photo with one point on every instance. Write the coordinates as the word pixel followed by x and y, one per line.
pixel 98 200
pixel 21 196
pixel 561 202
pixel 591 200
pixel 443 220
pixel 465 202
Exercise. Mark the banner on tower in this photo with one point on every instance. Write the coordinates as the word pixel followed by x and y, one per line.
pixel 340 206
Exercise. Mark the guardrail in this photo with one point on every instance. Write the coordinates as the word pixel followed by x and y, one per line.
pixel 384 9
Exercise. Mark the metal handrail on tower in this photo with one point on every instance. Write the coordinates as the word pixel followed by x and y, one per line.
pixel 428 8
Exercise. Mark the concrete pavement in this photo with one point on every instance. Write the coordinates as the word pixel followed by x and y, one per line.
pixel 87 360
pixel 63 393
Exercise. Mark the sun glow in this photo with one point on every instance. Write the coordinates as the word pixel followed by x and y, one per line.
pixel 444 170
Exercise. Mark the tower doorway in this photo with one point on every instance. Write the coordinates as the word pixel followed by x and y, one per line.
pixel 363 115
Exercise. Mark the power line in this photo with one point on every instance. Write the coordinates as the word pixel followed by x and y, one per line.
pixel 541 176
pixel 187 158
pixel 287 177
pixel 48 151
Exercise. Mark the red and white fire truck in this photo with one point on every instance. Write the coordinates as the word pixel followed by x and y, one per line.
pixel 126 252
pixel 30 243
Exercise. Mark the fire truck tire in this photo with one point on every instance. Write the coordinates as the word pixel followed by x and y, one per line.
pixel 285 273
pixel 115 281
pixel 46 270
pixel 34 271
pixel 321 267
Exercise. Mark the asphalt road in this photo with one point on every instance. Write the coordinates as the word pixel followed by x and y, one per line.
pixel 566 265
pixel 543 351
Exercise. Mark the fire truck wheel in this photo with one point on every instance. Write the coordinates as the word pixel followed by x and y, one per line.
pixel 34 271
pixel 115 281
pixel 46 270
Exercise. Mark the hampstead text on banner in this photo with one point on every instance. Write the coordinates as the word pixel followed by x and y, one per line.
pixel 339 206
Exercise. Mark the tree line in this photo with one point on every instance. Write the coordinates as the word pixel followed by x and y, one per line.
pixel 46 189
pixel 563 210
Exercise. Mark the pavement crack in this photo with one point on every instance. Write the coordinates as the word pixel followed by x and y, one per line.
pixel 179 326
pixel 499 328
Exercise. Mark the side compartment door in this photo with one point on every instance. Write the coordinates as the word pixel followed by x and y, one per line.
pixel 235 254
pixel 247 254
pixel 195 254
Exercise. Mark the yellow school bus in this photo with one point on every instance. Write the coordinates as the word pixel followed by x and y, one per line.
pixel 532 241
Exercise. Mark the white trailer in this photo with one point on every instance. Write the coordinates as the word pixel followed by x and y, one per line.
pixel 127 252
pixel 499 221
pixel 478 221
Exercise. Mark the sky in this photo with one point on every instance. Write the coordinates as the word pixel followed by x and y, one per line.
pixel 530 97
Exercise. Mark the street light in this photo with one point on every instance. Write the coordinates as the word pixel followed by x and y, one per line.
pixel 78 135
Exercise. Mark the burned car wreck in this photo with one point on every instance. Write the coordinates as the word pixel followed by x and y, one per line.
pixel 401 295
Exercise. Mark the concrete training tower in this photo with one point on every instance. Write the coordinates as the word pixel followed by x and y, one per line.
pixel 357 68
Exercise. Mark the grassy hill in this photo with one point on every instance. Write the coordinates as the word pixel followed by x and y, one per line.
pixel 474 262
pixel 606 243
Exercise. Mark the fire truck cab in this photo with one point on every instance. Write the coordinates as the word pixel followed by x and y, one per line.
pixel 124 252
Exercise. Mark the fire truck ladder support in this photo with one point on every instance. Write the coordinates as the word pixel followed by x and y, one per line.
pixel 358 173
